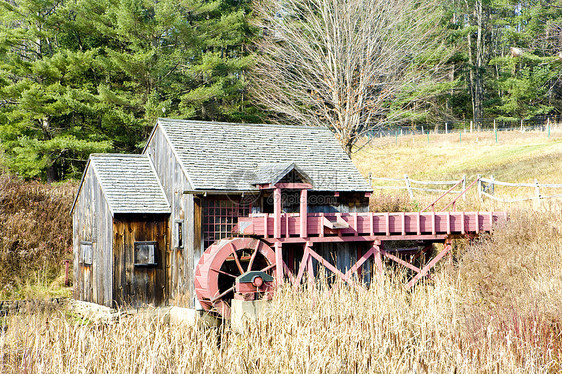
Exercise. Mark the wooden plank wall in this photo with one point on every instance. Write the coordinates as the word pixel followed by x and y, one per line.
pixel 92 222
pixel 134 285
pixel 174 182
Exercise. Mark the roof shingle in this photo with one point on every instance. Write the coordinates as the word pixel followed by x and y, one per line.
pixel 129 183
pixel 226 156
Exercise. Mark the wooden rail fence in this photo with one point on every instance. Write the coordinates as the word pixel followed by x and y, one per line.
pixel 408 185
pixel 486 187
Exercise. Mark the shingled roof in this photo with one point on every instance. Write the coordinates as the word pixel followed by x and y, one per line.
pixel 271 173
pixel 129 183
pixel 227 156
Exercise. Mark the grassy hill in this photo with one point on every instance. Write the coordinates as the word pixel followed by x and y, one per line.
pixel 517 157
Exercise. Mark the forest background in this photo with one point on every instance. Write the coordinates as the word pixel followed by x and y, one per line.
pixel 86 76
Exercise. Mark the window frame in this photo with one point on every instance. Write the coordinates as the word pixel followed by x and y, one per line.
pixel 178 234
pixel 154 254
pixel 86 257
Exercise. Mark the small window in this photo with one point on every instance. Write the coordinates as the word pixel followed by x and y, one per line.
pixel 178 234
pixel 86 249
pixel 145 253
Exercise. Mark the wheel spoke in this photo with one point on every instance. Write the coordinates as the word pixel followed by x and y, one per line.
pixel 222 294
pixel 224 272
pixel 253 258
pixel 237 260
pixel 268 267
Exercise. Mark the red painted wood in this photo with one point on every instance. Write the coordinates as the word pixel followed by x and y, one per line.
pixel 277 212
pixel 302 266
pixel 369 224
pixel 304 214
pixel 294 186
pixel 279 260
pixel 423 272
pixel 359 263
pixel 378 260
pixel 400 261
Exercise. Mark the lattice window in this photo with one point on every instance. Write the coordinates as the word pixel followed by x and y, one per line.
pixel 219 218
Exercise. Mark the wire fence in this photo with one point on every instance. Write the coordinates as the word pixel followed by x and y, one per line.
pixel 486 187
pixel 539 123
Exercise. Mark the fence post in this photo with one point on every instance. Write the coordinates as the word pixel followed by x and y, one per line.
pixel 370 179
pixel 408 186
pixel 446 128
pixel 492 187
pixel 537 192
pixel 464 187
pixel 471 127
pixel 479 187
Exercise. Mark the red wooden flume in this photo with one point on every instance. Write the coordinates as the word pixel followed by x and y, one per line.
pixel 225 269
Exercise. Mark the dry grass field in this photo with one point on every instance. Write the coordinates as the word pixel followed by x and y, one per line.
pixel 495 307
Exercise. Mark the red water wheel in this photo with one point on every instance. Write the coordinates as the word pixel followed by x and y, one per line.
pixel 222 263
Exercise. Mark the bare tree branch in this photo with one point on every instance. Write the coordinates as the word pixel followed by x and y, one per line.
pixel 337 63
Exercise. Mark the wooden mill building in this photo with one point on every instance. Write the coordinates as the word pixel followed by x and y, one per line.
pixel 141 222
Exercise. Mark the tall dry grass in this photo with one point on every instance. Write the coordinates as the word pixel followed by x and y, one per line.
pixel 494 310
pixel 35 236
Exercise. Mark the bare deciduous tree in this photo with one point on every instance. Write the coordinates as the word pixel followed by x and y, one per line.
pixel 338 63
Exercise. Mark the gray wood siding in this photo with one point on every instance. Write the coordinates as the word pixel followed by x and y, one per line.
pixel 92 222
pixel 174 183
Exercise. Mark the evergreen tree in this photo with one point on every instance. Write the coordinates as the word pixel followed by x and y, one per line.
pixel 45 92
pixel 90 76
pixel 529 67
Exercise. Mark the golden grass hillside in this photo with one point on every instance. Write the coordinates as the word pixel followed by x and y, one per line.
pixel 517 157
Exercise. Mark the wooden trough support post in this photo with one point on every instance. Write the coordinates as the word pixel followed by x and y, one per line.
pixel 423 272
pixel 279 262
pixel 277 212
pixel 304 213
pixel 378 259
pixel 309 267
pixel 306 262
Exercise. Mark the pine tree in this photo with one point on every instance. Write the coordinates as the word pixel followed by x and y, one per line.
pixel 91 76
pixel 44 91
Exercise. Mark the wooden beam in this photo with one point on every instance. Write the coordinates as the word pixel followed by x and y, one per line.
pixel 279 262
pixel 294 186
pixel 304 214
pixel 277 213
pixel 431 264
pixel 288 186
pixel 302 266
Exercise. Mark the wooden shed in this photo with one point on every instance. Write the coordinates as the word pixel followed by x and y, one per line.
pixel 187 191
pixel 120 220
